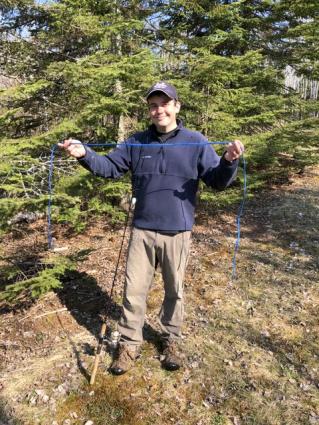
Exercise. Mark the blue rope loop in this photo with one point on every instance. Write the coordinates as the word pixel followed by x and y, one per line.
pixel 114 144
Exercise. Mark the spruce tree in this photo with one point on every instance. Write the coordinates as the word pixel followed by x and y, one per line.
pixel 233 56
pixel 83 68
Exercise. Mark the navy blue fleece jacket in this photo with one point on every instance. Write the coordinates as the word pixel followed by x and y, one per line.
pixel 164 178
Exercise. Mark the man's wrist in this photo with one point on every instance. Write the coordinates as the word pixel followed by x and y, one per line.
pixel 85 154
pixel 226 158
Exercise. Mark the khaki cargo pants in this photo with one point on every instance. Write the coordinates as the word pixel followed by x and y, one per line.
pixel 171 251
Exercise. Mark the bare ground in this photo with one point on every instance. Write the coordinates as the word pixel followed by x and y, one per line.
pixel 251 344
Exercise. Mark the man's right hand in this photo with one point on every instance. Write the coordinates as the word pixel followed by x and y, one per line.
pixel 73 147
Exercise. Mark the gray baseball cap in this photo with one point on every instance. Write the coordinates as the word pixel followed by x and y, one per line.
pixel 166 88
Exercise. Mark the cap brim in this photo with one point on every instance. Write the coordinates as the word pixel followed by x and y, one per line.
pixel 157 90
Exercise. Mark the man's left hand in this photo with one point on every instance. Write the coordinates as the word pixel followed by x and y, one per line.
pixel 234 150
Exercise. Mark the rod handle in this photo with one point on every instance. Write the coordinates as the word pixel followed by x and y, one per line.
pixel 98 354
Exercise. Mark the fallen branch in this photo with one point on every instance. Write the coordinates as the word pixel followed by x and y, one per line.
pixel 51 312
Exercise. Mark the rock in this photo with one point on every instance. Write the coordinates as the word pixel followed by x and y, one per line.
pixel 45 398
pixel 61 389
pixel 305 387
pixel 89 423
pixel 33 401
pixel 25 217
pixel 28 334
pixel 60 248
pixel 266 393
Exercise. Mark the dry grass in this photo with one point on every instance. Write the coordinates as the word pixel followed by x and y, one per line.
pixel 251 347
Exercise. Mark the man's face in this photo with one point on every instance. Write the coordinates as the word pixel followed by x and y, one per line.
pixel 163 111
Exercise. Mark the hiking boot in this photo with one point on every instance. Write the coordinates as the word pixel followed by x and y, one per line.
pixel 124 359
pixel 173 357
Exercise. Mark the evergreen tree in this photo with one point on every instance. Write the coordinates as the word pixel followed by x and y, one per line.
pixel 82 65
pixel 233 56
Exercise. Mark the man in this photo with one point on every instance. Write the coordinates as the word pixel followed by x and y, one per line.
pixel 166 162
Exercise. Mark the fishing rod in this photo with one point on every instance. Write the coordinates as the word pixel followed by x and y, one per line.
pixel 114 335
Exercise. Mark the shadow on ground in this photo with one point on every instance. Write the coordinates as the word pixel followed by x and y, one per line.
pixel 86 301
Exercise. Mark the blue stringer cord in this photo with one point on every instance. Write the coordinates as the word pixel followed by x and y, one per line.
pixel 239 214
pixel 240 209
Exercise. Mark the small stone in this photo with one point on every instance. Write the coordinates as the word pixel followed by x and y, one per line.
pixel 60 249
pixel 33 401
pixel 267 393
pixel 281 397
pixel 305 387
pixel 61 389
pixel 45 398
pixel 89 423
